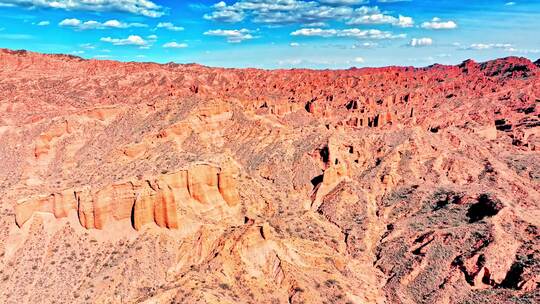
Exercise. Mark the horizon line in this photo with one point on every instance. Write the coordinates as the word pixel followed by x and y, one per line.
pixel 24 51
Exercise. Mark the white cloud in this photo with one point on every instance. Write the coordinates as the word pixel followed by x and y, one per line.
pixel 233 36
pixel 294 44
pixel 507 47
pixel 279 12
pixel 510 3
pixel 488 46
pixel 138 7
pixel 437 24
pixel 401 21
pixel 404 21
pixel 118 24
pixel 92 24
pixel 175 45
pixel 352 33
pixel 315 32
pixel 43 23
pixel 225 13
pixel 113 23
pixel 421 42
pixel 523 51
pixel 130 40
pixel 373 19
pixel 169 26
pixel 359 60
pixel 70 22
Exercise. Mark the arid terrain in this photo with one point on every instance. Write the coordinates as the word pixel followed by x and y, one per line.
pixel 149 183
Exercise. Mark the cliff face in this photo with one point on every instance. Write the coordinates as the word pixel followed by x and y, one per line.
pixel 154 200
pixel 139 182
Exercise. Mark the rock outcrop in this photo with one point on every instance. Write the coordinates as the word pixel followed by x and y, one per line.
pixel 44 140
pixel 153 200
pixel 58 204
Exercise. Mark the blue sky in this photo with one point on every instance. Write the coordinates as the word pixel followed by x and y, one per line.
pixel 275 33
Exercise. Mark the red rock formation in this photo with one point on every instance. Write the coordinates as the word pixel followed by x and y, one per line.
pixel 228 187
pixel 152 200
pixel 386 185
pixel 58 204
pixel 43 142
pixel 203 184
pixel 178 183
pixel 143 209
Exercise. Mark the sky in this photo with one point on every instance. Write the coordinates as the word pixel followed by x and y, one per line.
pixel 276 34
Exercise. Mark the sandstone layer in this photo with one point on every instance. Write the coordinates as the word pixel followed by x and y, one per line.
pixel 154 200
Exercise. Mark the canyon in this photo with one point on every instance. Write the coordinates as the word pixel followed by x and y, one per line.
pixel 125 182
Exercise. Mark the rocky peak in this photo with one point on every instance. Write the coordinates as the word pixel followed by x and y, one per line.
pixel 509 67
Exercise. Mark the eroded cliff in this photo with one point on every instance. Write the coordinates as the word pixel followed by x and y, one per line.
pixel 149 200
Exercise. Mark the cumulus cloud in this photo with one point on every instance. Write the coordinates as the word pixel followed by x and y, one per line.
pixel 175 45
pixel 437 24
pixel 359 60
pixel 92 24
pixel 401 21
pixel 294 44
pixel 224 13
pixel 169 26
pixel 404 21
pixel 351 33
pixel 233 36
pixel 70 22
pixel 43 23
pixel 130 40
pixel 279 12
pixel 118 24
pixel 416 42
pixel 138 7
